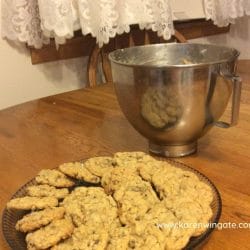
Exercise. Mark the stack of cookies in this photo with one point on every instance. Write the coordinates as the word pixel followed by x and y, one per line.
pixel 136 203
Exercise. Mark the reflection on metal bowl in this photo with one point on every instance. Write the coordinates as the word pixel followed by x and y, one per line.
pixel 174 93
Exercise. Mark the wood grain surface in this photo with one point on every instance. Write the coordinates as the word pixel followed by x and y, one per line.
pixel 47 132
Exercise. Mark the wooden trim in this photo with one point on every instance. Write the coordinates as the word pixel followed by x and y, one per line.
pixel 83 45
pixel 199 28
pixel 179 37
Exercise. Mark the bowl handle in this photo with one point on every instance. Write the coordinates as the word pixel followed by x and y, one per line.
pixel 237 83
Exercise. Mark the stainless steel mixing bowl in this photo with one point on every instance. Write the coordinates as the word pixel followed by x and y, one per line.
pixel 174 93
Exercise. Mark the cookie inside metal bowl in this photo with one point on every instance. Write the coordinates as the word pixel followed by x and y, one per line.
pixel 16 240
pixel 174 93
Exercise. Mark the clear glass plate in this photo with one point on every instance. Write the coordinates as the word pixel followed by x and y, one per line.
pixel 16 240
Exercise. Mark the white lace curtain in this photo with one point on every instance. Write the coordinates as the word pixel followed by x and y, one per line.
pixel 224 12
pixel 35 21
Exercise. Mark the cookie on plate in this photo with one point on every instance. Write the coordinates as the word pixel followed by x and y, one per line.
pixel 91 206
pixel 99 165
pixel 163 218
pixel 166 221
pixel 78 171
pixel 32 203
pixel 118 238
pixel 115 178
pixel 135 199
pixel 54 178
pixel 38 219
pixel 50 235
pixel 149 238
pixel 46 191
pixel 131 159
pixel 171 181
pixel 85 238
pixel 148 168
pixel 190 211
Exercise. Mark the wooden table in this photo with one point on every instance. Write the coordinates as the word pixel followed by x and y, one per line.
pixel 83 123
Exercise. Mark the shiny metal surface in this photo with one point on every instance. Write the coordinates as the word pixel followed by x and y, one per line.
pixel 174 93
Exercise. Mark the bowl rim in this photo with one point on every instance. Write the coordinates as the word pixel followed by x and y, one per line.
pixel 234 56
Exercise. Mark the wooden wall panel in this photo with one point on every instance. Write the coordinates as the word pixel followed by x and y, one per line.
pixel 83 45
pixel 75 47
